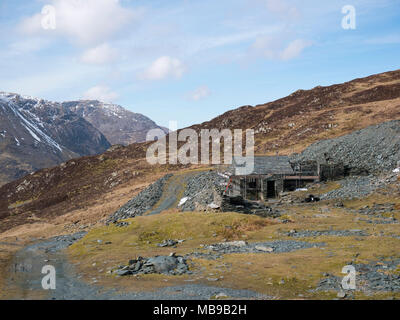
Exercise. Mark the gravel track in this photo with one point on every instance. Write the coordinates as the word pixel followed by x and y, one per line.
pixel 26 277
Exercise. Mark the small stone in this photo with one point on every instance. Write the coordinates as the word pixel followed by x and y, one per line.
pixel 264 249
pixel 341 294
pixel 221 295
pixel 122 273
pixel 212 279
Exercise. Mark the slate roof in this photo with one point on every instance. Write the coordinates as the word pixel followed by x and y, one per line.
pixel 267 165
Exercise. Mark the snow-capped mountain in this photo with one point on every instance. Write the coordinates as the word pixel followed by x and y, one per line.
pixel 35 133
pixel 119 125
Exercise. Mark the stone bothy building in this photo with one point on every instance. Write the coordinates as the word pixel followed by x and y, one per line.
pixel 273 175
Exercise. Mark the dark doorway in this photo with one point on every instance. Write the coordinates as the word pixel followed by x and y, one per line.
pixel 271 189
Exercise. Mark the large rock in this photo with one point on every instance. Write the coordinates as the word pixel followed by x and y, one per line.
pixel 171 265
pixel 163 264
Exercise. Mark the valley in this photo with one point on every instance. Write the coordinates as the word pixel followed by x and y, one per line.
pixel 103 219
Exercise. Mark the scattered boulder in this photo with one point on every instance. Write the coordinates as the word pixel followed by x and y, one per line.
pixel 167 243
pixel 169 265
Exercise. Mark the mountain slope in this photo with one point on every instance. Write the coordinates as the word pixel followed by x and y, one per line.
pixel 292 123
pixel 118 125
pixel 35 134
pixel 289 124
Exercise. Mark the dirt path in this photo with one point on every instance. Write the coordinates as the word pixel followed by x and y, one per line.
pixel 25 279
pixel 172 193
pixel 25 273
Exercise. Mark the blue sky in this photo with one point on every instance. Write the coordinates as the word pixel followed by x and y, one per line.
pixel 191 60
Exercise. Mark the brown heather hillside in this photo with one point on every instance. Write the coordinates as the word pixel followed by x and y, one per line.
pixel 291 124
pixel 87 189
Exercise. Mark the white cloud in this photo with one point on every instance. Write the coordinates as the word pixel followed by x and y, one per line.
pixel 273 48
pixel 100 55
pixel 266 46
pixel 101 93
pixel 162 68
pixel 86 22
pixel 27 46
pixel 200 93
pixel 294 49
pixel 283 9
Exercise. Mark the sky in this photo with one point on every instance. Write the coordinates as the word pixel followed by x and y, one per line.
pixel 191 60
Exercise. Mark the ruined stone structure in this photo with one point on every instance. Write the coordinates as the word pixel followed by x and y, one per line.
pixel 276 174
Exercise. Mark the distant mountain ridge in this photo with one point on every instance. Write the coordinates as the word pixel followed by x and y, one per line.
pixel 119 126
pixel 36 134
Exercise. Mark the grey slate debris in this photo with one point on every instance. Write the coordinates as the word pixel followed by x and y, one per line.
pixel 380 221
pixel 279 246
pixel 122 224
pixel 377 210
pixel 143 202
pixel 336 233
pixel 58 243
pixel 372 150
pixel 202 190
pixel 375 276
pixel 358 186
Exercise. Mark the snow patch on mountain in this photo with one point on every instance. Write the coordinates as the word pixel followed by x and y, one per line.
pixel 32 128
